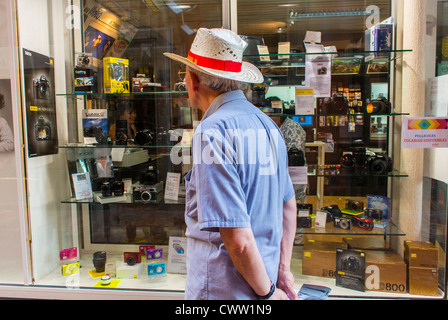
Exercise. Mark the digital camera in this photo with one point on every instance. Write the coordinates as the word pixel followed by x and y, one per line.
pixel 97 133
pixel 131 258
pixel 144 138
pixel 146 193
pixel 156 268
pixel 365 224
pixel 379 163
pixel 121 132
pixel 296 158
pixel 379 106
pixel 354 205
pixel 304 222
pixel 376 214
pixel 350 264
pixel 343 223
pixel 153 254
pixel 356 157
pixel 337 104
pixel 149 176
pixel 41 88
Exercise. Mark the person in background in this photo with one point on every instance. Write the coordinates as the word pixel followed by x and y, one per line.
pixel 240 206
pixel 126 112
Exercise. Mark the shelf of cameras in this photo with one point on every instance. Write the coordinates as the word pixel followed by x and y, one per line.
pixel 147 261
pixel 342 62
pixel 354 218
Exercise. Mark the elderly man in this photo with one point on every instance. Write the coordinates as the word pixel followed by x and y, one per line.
pixel 240 205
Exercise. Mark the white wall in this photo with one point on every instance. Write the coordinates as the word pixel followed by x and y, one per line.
pixel 42 29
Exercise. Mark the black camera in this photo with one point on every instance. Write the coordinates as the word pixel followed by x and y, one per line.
pixel 42 130
pixel 305 206
pixel 144 138
pixel 296 158
pixel 304 222
pixel 97 133
pixel 376 214
pixel 379 163
pixel 351 264
pixel 99 261
pixel 379 106
pixel 337 104
pixel 121 132
pixel 356 157
pixel 149 176
pixel 354 205
pixel 41 88
pixel 333 211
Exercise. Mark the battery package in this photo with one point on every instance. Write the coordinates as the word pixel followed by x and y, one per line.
pixel 116 75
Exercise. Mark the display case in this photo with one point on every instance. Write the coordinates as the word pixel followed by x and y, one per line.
pixel 108 213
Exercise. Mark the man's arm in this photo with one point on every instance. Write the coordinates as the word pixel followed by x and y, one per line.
pixel 240 243
pixel 285 278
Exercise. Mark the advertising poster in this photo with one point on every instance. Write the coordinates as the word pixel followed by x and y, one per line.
pixel 40 104
pixel 429 132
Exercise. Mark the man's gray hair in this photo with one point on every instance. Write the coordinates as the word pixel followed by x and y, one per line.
pixel 216 83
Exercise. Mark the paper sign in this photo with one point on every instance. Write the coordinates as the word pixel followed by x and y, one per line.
pixel 429 132
pixel 284 50
pixel 263 51
pixel 321 219
pixel 172 186
pixel 299 175
pixel 304 100
pixel 177 255
pixel 82 186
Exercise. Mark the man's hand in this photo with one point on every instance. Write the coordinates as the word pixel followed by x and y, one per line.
pixel 285 282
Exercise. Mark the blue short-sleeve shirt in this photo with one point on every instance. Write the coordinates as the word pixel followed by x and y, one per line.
pixel 239 179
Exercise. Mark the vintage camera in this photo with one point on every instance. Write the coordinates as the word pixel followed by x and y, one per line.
pixel 304 222
pixel 144 138
pixel 356 157
pixel 375 214
pixel 42 130
pixel 99 261
pixel 365 224
pixel 379 106
pixel 156 268
pixel 153 254
pixel 131 258
pixel 145 193
pixel 97 133
pixel 342 223
pixel 296 158
pixel 379 163
pixel 354 205
pixel 41 88
pixel 337 104
pixel 350 264
pixel 149 176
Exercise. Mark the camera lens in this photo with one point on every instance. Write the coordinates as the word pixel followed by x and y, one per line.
pixel 347 160
pixel 99 261
pixel 106 190
pixel 146 196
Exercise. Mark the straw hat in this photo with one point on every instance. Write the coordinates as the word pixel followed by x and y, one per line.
pixel 219 52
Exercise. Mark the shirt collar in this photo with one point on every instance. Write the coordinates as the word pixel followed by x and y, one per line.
pixel 222 99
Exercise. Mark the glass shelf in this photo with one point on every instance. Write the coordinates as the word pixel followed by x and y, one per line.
pixel 127 201
pixel 102 95
pixel 339 54
pixel 107 146
pixel 393 114
pixel 390 230
pixel 317 171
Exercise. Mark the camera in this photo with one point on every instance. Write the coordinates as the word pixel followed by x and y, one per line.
pixel 97 133
pixel 99 261
pixel 145 193
pixel 41 88
pixel 144 137
pixel 376 214
pixel 342 223
pixel 379 163
pixel 156 268
pixel 354 205
pixel 337 104
pixel 304 222
pixel 121 132
pixel 296 158
pixel 350 264
pixel 152 254
pixel 365 224
pixel 149 176
pixel 356 157
pixel 333 211
pixel 131 258
pixel 379 106
pixel 42 129
pixel 305 206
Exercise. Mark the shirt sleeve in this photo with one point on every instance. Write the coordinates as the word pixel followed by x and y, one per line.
pixel 220 197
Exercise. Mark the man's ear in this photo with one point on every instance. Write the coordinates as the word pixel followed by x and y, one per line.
pixel 194 80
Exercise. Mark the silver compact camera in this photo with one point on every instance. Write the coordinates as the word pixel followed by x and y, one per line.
pixel 147 193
